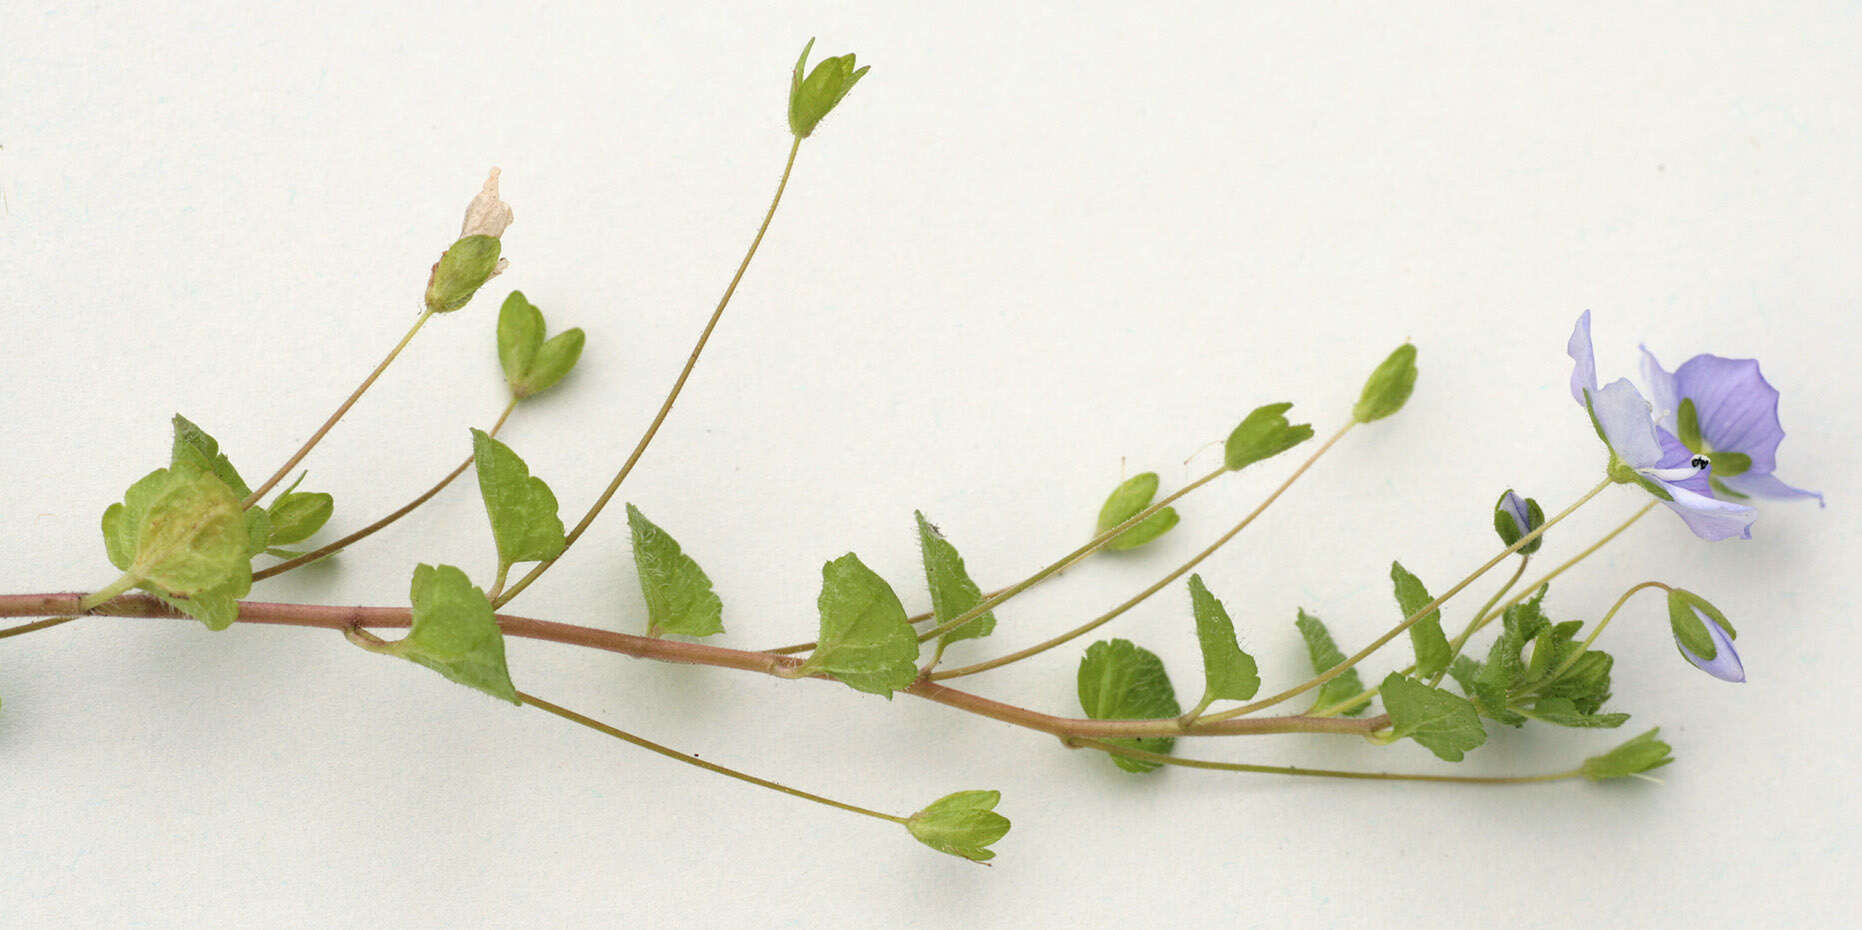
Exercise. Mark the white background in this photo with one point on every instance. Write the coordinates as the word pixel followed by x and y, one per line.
pixel 1039 248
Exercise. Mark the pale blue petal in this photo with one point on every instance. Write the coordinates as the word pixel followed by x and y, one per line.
pixel 1662 392
pixel 1584 368
pixel 1676 455
pixel 1515 507
pixel 1756 485
pixel 1725 664
pixel 1710 519
pixel 1738 408
pixel 1624 418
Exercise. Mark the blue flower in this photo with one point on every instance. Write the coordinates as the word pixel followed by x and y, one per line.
pixel 1704 635
pixel 1725 409
pixel 1648 455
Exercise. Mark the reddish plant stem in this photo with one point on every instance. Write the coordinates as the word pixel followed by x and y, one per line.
pixel 665 650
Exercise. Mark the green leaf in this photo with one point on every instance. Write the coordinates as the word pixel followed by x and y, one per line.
pixel 298 515
pixel 1446 724
pixel 1230 674
pixel 678 595
pixel 1120 681
pixel 1464 670
pixel 191 536
pixel 1431 644
pixel 1325 654
pixel 122 522
pixel 1639 755
pixel 522 509
pixel 953 594
pixel 465 267
pixel 813 97
pixel 455 633
pixel 218 607
pixel 1564 713
pixel 195 450
pixel 1125 502
pixel 961 824
pixel 532 365
pixel 194 447
pixel 1388 387
pixel 1263 434
pixel 865 642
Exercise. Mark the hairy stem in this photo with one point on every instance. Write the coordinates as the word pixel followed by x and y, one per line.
pixel 671 396
pixel 664 650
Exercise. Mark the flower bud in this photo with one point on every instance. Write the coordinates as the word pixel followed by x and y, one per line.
pixel 474 258
pixel 1514 517
pixel 1388 387
pixel 1704 636
pixel 812 98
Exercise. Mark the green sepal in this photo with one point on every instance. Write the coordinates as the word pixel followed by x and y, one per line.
pixel 531 364
pixel 1616 469
pixel 520 334
pixel 1426 636
pixel 677 592
pixel 297 515
pixel 1121 681
pixel 1720 490
pixel 953 594
pixel 1729 464
pixel 1687 426
pixel 464 268
pixel 454 633
pixel 961 824
pixel 521 507
pixel 1446 724
pixel 865 642
pixel 1689 630
pixel 1639 755
pixel 1325 654
pixel 1229 673
pixel 1263 434
pixel 813 97
pixel 1127 500
pixel 1388 387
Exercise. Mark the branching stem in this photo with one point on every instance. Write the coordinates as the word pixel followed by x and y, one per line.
pixel 329 549
pixel 1413 619
pixel 1141 596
